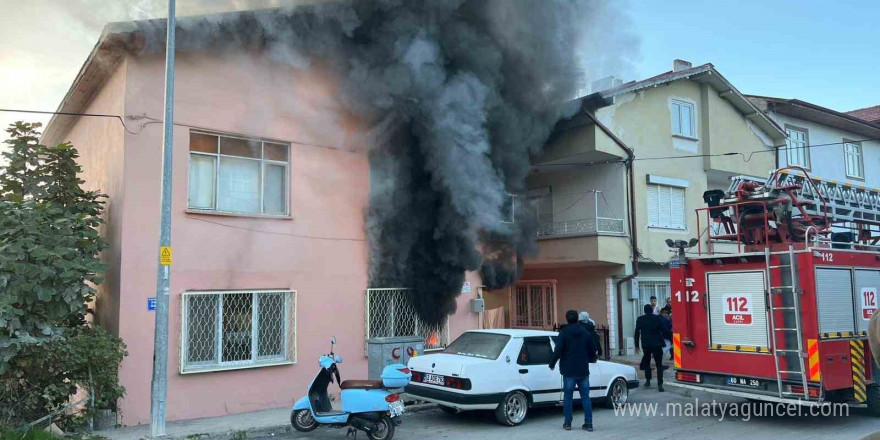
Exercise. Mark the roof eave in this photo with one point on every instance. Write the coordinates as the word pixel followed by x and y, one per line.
pixel 722 86
pixel 112 46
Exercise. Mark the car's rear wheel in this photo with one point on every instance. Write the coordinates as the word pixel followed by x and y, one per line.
pixel 513 409
pixel 618 393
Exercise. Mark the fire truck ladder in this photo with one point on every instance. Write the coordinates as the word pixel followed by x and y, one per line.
pixel 789 295
pixel 843 202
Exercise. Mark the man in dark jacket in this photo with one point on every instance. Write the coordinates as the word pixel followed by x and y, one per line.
pixel 574 348
pixel 651 329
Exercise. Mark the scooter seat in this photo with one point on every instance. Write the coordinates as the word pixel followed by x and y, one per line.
pixel 361 384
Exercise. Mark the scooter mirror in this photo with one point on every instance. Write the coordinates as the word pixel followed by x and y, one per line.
pixel 332 340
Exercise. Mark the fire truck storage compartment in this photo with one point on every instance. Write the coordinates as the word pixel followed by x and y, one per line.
pixel 834 299
pixel 737 308
pixel 867 282
pixel 835 364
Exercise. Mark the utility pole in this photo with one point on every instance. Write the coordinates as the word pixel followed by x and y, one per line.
pixel 163 278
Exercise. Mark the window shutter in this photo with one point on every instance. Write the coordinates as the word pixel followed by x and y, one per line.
pixel 665 200
pixel 666 206
pixel 653 206
pixel 677 208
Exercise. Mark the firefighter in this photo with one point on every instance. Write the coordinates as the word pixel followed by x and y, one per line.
pixel 651 331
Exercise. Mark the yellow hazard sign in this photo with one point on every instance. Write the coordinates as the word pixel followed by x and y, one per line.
pixel 165 255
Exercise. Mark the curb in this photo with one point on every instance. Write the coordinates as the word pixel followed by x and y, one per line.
pixel 270 431
pixel 241 434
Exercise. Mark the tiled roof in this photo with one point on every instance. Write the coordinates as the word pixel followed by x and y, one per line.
pixel 870 114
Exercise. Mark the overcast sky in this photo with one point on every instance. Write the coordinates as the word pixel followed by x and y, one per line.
pixel 821 52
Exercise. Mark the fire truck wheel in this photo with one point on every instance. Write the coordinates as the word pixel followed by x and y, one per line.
pixel 874 400
pixel 617 394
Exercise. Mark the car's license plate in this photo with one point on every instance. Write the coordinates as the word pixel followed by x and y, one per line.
pixel 743 382
pixel 396 408
pixel 434 379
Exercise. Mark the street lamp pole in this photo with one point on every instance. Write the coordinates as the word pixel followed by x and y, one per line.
pixel 163 278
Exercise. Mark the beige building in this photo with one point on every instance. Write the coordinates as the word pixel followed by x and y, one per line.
pixel 686 129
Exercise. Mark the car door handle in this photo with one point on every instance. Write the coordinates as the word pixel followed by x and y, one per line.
pixel 523 371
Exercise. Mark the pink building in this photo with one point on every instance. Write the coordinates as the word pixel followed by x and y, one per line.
pixel 270 259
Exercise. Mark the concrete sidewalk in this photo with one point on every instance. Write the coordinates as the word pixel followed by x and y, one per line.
pixel 263 423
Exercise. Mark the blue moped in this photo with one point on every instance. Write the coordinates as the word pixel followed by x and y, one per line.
pixel 372 406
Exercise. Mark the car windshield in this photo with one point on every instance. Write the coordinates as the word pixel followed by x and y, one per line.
pixel 479 345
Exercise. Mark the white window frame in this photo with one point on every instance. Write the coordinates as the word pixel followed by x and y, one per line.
pixel 675 107
pixel 658 222
pixel 290 333
pixel 854 155
pixel 263 163
pixel 793 153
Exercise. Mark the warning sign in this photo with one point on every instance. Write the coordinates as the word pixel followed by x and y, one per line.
pixel 869 302
pixel 165 255
pixel 737 310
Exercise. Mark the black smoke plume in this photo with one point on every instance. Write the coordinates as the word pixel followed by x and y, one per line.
pixel 461 93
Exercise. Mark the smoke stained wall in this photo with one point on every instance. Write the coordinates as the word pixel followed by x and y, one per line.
pixel 459 94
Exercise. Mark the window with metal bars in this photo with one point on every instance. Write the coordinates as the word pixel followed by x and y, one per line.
pixel 534 305
pixel 649 288
pixel 224 330
pixel 390 313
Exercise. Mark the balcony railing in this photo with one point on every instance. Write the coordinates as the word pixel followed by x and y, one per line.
pixel 588 226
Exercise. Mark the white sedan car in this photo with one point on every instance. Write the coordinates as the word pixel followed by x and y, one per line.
pixel 508 371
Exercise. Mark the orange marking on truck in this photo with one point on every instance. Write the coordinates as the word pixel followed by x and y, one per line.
pixel 676 349
pixel 813 354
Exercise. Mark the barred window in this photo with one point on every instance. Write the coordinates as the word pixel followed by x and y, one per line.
pixel 224 330
pixel 390 313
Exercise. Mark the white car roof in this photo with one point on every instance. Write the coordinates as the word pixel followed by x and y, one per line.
pixel 516 333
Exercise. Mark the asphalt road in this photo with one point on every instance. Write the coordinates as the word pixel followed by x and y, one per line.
pixel 434 424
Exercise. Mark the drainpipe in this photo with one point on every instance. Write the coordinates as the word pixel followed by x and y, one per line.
pixel 632 225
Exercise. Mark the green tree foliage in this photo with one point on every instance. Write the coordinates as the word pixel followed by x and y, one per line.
pixel 49 242
pixel 50 263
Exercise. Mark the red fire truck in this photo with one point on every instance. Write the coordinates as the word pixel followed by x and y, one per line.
pixel 772 301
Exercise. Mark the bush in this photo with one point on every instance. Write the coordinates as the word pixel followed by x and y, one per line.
pixel 33 434
pixel 50 373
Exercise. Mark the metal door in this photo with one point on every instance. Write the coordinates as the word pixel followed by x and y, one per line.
pixel 834 298
pixel 866 291
pixel 737 309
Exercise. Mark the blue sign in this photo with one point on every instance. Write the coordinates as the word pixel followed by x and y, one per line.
pixel 151 304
